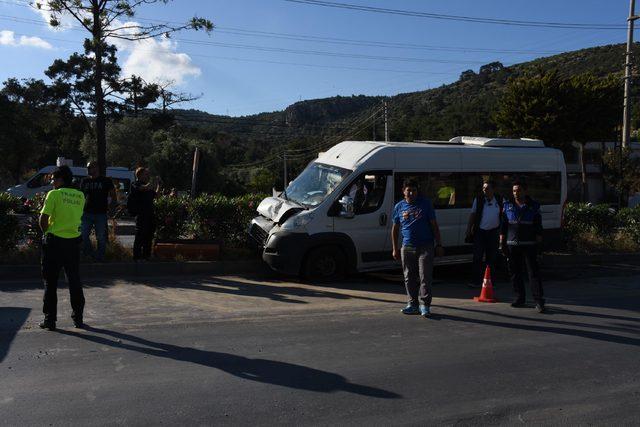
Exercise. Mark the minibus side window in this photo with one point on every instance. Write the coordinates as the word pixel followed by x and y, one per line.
pixel 440 187
pixel 544 187
pixel 367 192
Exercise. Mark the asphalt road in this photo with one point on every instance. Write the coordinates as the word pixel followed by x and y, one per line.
pixel 241 350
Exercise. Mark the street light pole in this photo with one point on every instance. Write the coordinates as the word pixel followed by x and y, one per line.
pixel 626 128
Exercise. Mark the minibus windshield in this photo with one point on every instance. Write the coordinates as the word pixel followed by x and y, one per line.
pixel 315 183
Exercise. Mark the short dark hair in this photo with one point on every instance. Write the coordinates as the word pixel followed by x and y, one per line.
pixel 409 183
pixel 139 171
pixel 65 173
pixel 520 182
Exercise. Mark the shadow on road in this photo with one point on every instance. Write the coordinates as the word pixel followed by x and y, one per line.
pixel 256 288
pixel 260 370
pixel 11 320
pixel 549 325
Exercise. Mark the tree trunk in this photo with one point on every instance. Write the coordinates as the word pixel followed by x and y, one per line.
pixel 584 193
pixel 101 124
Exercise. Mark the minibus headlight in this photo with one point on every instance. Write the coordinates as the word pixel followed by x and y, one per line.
pixel 297 221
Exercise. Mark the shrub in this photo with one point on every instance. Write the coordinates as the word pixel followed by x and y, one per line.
pixel 171 216
pixel 246 209
pixel 629 219
pixel 599 220
pixel 11 232
pixel 207 217
pixel 600 228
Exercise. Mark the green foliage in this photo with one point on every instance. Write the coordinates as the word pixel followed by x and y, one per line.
pixel 207 217
pixel 211 217
pixel 599 227
pixel 262 180
pixel 622 171
pixel 11 233
pixel 598 219
pixel 171 216
pixel 36 125
pixel 560 110
pixel 172 161
pixel 629 219
pixel 129 142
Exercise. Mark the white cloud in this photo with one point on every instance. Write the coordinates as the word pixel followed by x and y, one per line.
pixel 157 61
pixel 7 38
pixel 153 60
pixel 35 42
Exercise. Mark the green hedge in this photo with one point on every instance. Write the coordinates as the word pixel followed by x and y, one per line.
pixel 10 231
pixel 206 217
pixel 599 225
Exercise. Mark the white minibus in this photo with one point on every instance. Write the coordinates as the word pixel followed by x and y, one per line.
pixel 313 228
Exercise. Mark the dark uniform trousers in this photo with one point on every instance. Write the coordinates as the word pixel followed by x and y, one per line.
pixel 485 247
pixel 58 253
pixel 520 258
pixel 145 229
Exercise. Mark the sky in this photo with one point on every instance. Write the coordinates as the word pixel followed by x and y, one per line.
pixel 264 55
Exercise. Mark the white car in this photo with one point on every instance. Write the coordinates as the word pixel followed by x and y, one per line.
pixel 41 181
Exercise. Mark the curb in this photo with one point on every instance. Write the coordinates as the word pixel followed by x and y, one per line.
pixel 568 260
pixel 156 269
pixel 147 269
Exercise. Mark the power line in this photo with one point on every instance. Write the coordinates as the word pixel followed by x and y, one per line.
pixel 303 153
pixel 460 18
pixel 372 43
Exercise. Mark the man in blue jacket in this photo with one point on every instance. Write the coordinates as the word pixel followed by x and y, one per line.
pixel 520 241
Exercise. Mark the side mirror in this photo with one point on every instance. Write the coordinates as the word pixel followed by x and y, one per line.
pixel 347 210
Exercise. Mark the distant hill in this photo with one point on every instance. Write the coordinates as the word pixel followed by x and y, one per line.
pixel 464 107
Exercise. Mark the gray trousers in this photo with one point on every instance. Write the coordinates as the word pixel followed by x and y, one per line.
pixel 417 266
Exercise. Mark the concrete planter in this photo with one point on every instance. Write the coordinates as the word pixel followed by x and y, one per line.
pixel 192 250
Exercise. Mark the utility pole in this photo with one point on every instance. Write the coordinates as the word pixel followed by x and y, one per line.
pixel 386 123
pixel 284 183
pixel 194 172
pixel 626 127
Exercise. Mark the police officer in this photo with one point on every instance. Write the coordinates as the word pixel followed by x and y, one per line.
pixel 60 219
pixel 520 240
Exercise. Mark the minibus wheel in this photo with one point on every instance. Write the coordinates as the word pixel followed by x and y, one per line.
pixel 324 264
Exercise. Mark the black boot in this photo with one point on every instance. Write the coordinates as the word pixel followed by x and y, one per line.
pixel 77 321
pixel 47 324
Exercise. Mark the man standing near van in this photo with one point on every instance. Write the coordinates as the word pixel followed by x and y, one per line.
pixel 140 204
pixel 97 190
pixel 483 230
pixel 520 241
pixel 415 218
pixel 60 223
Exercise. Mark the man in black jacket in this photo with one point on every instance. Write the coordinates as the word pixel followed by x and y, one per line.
pixel 140 204
pixel 97 190
pixel 482 231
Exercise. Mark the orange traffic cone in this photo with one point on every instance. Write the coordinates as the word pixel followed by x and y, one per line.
pixel 486 295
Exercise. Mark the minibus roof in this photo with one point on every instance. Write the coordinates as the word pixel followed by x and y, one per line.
pixel 349 154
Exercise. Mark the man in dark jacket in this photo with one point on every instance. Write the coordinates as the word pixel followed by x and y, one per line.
pixel 520 241
pixel 97 190
pixel 140 204
pixel 482 231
